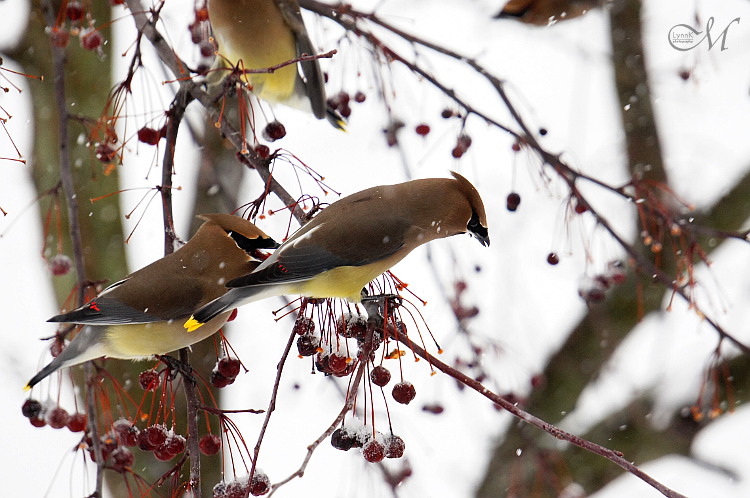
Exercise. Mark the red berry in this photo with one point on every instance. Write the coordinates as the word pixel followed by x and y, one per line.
pixel 156 434
pixel 464 141
pixel 77 422
pixel 373 451
pixel 235 489
pixel 74 11
pixel 307 345
pixel 37 421
pixel 345 111
pixel 433 408
pixel 263 151
pixel 125 432
pixel 143 442
pixel 423 129
pixel 121 459
pixel 351 326
pixel 207 48
pixel 359 97
pixel 337 362
pixel 210 444
pixel 458 151
pixel 513 201
pixel 447 113
pixel 516 146
pixel 380 376
pixel 31 408
pixel 580 206
pixel 57 347
pixel 59 38
pixel 201 15
pixel 394 447
pixel 274 131
pixel 685 74
pixel 57 418
pixel 303 325
pixel 404 392
pixel 163 453
pixel 91 39
pixel 219 381
pixel 117 2
pixel 229 367
pixel 104 153
pixel 175 443
pixel 260 484
pixel 59 264
pixel 148 135
pixel 553 258
pixel 149 380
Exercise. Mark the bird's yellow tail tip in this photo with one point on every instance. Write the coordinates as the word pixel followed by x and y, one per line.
pixel 192 324
pixel 27 387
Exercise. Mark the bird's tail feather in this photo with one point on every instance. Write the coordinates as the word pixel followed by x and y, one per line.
pixel 84 347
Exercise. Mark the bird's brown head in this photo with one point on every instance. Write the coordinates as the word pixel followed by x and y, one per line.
pixel 469 213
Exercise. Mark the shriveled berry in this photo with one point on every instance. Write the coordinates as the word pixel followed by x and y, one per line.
pixel 77 422
pixel 274 131
pixel 307 345
pixel 236 489
pixel 394 447
pixel 343 439
pixel 351 326
pixel 229 367
pixel 74 11
pixel 125 432
pixel 373 451
pixel 513 201
pixel 209 444
pixel 91 39
pixel 121 459
pixel 260 484
pixel 148 135
pixel 59 264
pixel 220 381
pixel 219 490
pixel 149 380
pixel 104 153
pixel 553 258
pixel 156 434
pixel 31 408
pixel 404 392
pixel 380 376
pixel 303 325
pixel 57 418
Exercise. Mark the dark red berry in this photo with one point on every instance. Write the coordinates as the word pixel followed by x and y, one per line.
pixel 236 489
pixel 553 258
pixel 229 367
pixel 434 408
pixel 394 447
pixel 125 432
pixel 207 48
pixel 263 151
pixel 307 345
pixel 380 376
pixel 104 153
pixel 117 2
pixel 57 418
pixel 163 453
pixel 580 206
pixel 74 11
pixel 423 129
pixel 37 421
pixel 156 434
pixel 57 347
pixel 274 131
pixel 516 146
pixel 542 131
pixel 91 39
pixel 351 326
pixel 121 459
pixel 337 362
pixel 219 381
pixel 685 74
pixel 143 442
pixel 404 392
pixel 303 325
pixel 447 113
pixel 31 408
pixel 260 484
pixel 345 111
pixel 210 444
pixel 359 97
pixel 373 451
pixel 458 151
pixel 77 422
pixel 343 439
pixel 513 201
pixel 148 135
pixel 149 380
pixel 175 443
pixel 59 264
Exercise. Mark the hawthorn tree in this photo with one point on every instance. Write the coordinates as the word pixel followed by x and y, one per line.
pixel 149 142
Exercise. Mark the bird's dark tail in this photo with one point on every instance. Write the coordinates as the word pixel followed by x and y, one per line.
pixel 84 347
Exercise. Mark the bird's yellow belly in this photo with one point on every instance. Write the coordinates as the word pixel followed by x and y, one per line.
pixel 343 282
pixel 148 339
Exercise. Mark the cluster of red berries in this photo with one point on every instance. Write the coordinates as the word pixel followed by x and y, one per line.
pixel 374 448
pixel 225 372
pixel 151 136
pixel 54 416
pixel 340 102
pixel 241 486
pixel 307 343
pixel 593 289
pixel 199 32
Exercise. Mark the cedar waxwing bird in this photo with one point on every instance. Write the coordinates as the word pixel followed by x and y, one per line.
pixel 259 34
pixel 356 239
pixel 142 314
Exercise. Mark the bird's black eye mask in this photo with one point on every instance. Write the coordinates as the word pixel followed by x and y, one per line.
pixel 250 245
pixel 474 226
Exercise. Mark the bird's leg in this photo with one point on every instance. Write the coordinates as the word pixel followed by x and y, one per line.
pixel 384 300
pixel 175 366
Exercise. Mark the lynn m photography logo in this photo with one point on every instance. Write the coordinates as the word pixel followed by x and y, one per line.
pixel 684 37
